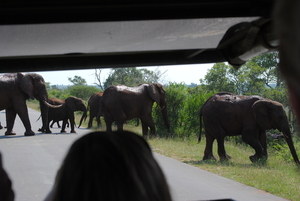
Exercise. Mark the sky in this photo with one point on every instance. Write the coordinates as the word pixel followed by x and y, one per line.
pixel 179 73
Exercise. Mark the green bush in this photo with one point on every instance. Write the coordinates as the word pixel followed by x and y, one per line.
pixel 183 111
pixel 82 91
pixel 57 93
pixel 175 95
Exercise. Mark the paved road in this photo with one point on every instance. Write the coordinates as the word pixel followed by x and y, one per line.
pixel 32 162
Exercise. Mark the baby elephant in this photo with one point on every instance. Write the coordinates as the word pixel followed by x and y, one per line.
pixel 227 114
pixel 66 111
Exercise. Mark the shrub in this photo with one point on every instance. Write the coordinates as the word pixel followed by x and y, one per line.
pixel 82 91
pixel 183 111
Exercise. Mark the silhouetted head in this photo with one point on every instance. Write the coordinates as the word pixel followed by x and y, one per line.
pixel 110 166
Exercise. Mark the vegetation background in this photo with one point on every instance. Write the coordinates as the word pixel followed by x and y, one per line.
pixel 258 76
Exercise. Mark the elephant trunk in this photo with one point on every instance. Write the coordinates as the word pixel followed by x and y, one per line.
pixel 289 141
pixel 44 113
pixel 44 105
pixel 200 123
pixel 165 116
pixel 83 118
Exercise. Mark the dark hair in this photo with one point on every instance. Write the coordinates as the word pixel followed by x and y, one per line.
pixel 113 166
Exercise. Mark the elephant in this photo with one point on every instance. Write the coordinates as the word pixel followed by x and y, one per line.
pixel 58 125
pixel 15 89
pixel 94 108
pixel 121 103
pixel 227 114
pixel 66 111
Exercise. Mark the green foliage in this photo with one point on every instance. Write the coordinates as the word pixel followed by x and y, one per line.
pixel 82 91
pixel 183 105
pixel 56 93
pixel 254 77
pixel 77 80
pixel 175 95
pixel 217 78
pixel 132 76
pixel 280 148
pixel 277 94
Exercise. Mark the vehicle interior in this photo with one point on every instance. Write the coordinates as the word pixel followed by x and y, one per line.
pixel 63 35
pixel 53 35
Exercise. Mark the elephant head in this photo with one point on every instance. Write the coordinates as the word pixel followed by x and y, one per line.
pixel 34 86
pixel 75 104
pixel 158 95
pixel 271 114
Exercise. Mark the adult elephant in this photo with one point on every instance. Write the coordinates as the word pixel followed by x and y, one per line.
pixel 66 111
pixel 227 114
pixel 94 109
pixel 121 103
pixel 15 89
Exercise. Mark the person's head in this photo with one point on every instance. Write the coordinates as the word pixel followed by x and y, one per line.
pixel 6 191
pixel 110 166
pixel 286 19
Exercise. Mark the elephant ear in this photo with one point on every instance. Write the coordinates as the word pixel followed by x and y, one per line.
pixel 27 85
pixel 153 91
pixel 261 110
pixel 70 103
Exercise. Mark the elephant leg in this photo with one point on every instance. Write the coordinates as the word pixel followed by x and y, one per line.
pixel 263 142
pixel 90 124
pixel 120 126
pixel 148 122
pixel 10 121
pixel 98 121
pixel 63 127
pixel 221 149
pixel 208 154
pixel 253 141
pixel 52 124
pixel 144 129
pixel 72 121
pixel 23 114
pixel 108 123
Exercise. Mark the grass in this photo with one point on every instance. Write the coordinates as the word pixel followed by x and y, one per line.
pixel 277 177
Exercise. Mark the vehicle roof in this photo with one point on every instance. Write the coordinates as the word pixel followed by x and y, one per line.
pixel 62 35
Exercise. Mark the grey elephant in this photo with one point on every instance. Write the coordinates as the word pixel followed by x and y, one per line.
pixel 94 109
pixel 66 111
pixel 57 123
pixel 227 114
pixel 15 89
pixel 121 103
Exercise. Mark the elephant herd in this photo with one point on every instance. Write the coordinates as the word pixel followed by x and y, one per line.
pixel 224 114
pixel 118 103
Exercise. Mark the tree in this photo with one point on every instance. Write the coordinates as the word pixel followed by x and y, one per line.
pixel 77 80
pixel 253 77
pixel 97 75
pixel 218 78
pixel 132 76
pixel 82 91
pixel 269 62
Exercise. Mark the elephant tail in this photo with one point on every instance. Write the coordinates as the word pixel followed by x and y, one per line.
pixel 83 118
pixel 289 140
pixel 200 123
pixel 39 117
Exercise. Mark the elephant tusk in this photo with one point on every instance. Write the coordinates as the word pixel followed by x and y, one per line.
pixel 52 106
pixel 163 107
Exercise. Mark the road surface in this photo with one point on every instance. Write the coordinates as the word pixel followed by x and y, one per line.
pixel 32 162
